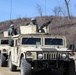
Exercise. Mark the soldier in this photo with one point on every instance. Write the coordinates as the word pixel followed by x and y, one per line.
pixel 33 22
pixel 12 31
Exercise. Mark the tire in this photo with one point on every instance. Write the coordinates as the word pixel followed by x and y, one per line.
pixel 11 66
pixel 70 68
pixel 25 67
pixel 2 60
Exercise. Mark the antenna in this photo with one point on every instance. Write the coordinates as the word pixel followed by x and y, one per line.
pixel 10 10
pixel 45 7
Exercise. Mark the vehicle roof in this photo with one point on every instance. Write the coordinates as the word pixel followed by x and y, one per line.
pixel 38 35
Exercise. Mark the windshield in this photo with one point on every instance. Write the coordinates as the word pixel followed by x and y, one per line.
pixel 53 41
pixel 31 41
pixel 4 41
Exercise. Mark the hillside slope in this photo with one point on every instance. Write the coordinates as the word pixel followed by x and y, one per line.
pixel 58 26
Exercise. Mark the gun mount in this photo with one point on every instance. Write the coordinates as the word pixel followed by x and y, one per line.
pixel 44 27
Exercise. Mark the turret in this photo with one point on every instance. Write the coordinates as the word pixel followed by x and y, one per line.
pixel 31 29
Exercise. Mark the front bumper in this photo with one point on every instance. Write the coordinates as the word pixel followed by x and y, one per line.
pixel 49 60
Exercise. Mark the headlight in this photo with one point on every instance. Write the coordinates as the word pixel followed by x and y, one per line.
pixel 40 56
pixel 64 56
pixel 4 50
pixel 28 53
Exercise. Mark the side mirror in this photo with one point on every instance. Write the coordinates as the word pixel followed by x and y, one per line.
pixel 11 42
pixel 71 47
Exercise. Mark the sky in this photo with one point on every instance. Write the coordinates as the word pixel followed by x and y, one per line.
pixel 14 9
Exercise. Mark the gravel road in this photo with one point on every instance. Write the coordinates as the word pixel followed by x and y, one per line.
pixel 5 71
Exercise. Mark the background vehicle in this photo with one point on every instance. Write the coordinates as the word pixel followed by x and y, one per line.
pixel 4 47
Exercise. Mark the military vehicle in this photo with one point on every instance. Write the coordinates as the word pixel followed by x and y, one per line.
pixel 33 51
pixel 4 47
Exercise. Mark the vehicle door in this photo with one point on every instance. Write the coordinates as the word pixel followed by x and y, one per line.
pixel 16 51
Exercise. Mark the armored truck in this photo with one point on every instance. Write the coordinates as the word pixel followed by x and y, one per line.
pixel 33 51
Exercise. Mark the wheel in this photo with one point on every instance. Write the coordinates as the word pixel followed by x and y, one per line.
pixel 11 66
pixel 2 60
pixel 70 69
pixel 25 67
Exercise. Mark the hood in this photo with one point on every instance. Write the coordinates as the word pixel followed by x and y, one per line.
pixel 24 49
pixel 4 47
pixel 55 49
pixel 49 49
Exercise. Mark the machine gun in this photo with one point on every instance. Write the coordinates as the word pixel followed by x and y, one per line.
pixel 45 25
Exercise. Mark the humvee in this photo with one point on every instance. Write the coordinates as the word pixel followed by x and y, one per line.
pixel 34 51
pixel 4 47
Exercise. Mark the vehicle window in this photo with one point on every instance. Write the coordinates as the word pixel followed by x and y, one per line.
pixel 31 41
pixel 53 41
pixel 4 41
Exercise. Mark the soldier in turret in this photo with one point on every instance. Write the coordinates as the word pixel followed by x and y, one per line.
pixel 12 31
pixel 34 22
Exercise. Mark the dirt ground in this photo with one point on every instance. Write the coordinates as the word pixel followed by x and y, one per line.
pixel 5 71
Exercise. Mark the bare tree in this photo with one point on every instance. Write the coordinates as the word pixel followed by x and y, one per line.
pixel 67 7
pixel 39 9
pixel 57 10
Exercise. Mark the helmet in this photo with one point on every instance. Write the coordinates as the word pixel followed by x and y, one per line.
pixel 11 25
pixel 33 19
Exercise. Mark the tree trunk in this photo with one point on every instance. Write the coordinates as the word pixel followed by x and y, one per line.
pixel 67 7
